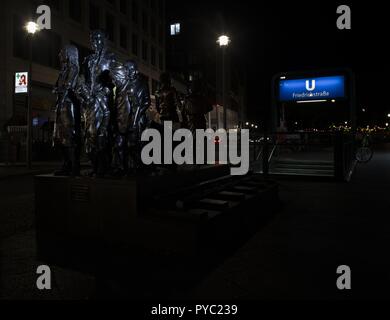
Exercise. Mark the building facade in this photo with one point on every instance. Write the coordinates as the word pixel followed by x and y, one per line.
pixel 135 28
pixel 192 53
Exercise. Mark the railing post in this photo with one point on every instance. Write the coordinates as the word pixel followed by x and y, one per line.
pixel 338 156
pixel 265 157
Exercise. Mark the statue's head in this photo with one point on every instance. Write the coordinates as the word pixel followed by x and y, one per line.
pixel 132 69
pixel 97 40
pixel 69 54
pixel 165 79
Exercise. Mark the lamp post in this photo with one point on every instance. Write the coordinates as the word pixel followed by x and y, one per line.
pixel 31 28
pixel 223 42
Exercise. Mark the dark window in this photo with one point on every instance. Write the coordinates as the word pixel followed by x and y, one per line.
pixel 110 27
pixel 135 44
pixel 41 49
pixel 75 10
pixel 160 8
pixel 19 39
pixel 144 50
pixel 134 11
pixel 53 4
pixel 160 34
pixel 153 5
pixel 153 56
pixel 123 6
pixel 111 2
pixel 123 36
pixel 153 31
pixel 161 61
pixel 145 21
pixel 94 16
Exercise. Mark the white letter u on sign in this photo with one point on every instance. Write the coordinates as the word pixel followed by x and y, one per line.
pixel 312 86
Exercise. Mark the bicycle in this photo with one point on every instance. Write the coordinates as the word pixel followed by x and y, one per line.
pixel 364 152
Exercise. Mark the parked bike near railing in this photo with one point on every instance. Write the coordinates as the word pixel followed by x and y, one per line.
pixel 364 152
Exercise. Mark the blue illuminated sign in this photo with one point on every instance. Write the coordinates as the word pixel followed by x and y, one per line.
pixel 321 88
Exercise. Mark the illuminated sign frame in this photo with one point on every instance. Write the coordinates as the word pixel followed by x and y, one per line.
pixel 316 89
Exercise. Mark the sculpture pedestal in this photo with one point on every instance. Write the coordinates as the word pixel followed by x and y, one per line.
pixel 85 223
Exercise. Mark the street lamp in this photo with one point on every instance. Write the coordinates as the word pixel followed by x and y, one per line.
pixel 223 42
pixel 31 28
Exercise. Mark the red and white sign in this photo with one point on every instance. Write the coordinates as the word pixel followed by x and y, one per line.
pixel 21 82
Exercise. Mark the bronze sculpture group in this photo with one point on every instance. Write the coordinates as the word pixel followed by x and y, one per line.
pixel 104 103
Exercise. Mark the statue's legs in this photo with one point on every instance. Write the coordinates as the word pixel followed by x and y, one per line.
pixel 135 145
pixel 121 155
pixel 67 137
pixel 96 143
pixel 120 148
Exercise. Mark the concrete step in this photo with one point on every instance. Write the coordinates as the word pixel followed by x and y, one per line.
pixel 303 166
pixel 304 162
pixel 302 172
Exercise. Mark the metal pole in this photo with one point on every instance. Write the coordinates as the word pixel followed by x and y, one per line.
pixel 224 90
pixel 29 108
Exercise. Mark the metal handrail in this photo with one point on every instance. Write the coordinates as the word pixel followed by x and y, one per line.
pixel 272 153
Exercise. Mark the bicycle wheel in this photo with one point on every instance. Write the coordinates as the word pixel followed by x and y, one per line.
pixel 364 154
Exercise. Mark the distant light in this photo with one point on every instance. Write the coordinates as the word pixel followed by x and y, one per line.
pixel 283 77
pixel 346 122
pixel 333 100
pixel 387 124
pixel 364 110
pixel 256 127
pixel 32 27
pixel 296 123
pixel 223 41
pixel 311 101
pixel 388 115
pixel 247 123
pixel 252 125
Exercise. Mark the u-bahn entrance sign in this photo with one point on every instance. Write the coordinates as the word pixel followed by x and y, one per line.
pixel 303 140
pixel 319 88
pixel 331 90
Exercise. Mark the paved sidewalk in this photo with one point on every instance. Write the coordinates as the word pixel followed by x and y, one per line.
pixel 19 169
pixel 323 225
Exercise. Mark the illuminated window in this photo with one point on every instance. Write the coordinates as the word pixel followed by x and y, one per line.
pixel 175 29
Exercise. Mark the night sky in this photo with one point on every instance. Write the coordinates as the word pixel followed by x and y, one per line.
pixel 278 36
